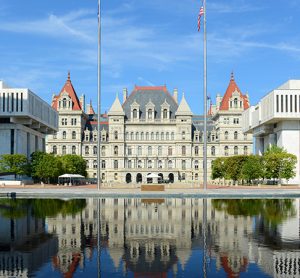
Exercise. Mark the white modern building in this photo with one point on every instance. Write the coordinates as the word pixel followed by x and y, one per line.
pixel 275 120
pixel 25 119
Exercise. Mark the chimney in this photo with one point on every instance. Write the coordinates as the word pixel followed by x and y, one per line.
pixel 175 95
pixel 125 94
pixel 218 101
pixel 82 102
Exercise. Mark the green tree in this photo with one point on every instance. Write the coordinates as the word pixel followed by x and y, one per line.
pixel 36 158
pixel 14 163
pixel 73 164
pixel 234 165
pixel 218 168
pixel 48 168
pixel 252 168
pixel 279 164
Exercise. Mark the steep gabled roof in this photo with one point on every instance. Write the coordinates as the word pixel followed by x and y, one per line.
pixel 69 89
pixel 116 108
pixel 158 95
pixel 232 87
pixel 184 108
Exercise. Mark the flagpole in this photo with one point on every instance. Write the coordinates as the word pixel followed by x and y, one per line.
pixel 204 100
pixel 99 97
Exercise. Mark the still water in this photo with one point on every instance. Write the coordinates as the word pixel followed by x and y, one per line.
pixel 149 238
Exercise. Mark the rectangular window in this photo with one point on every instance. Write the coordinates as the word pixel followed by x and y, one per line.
pixel 281 103
pixel 17 102
pixel 12 141
pixel 296 103
pixel 21 102
pixel 3 102
pixel 286 104
pixel 12 102
pixel 291 103
pixel 277 103
pixel 7 109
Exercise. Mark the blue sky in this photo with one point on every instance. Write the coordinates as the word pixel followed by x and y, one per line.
pixel 149 43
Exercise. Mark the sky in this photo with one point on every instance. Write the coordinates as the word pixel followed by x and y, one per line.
pixel 149 43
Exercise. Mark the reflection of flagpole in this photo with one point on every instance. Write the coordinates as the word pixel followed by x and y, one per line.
pixel 204 99
pixel 99 97
pixel 98 240
pixel 204 224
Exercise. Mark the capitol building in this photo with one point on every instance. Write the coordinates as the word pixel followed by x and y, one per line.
pixel 149 131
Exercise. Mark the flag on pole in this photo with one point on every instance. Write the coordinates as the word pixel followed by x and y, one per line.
pixel 201 12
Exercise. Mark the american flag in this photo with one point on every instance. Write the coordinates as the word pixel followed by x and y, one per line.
pixel 201 12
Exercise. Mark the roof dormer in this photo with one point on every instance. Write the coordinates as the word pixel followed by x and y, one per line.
pixel 150 111
pixel 165 110
pixel 135 111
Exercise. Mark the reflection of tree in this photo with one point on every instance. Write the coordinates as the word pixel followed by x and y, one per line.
pixel 274 211
pixel 17 208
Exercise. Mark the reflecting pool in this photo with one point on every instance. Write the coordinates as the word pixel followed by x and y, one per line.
pixel 170 237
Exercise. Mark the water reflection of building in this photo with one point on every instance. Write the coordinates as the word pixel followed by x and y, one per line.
pixel 154 237
pixel 24 245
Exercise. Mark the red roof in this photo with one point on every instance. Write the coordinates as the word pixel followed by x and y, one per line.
pixel 232 87
pixel 91 109
pixel 69 89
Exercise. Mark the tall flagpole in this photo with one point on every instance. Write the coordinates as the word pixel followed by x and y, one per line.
pixel 99 97
pixel 205 100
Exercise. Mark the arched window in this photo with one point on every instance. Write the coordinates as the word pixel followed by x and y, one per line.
pixel 183 150
pixel 162 136
pixel 54 149
pixel 245 150
pixel 103 150
pixel 170 164
pixel 196 176
pixel 226 150
pixel 172 136
pixel 235 135
pixel 64 102
pixel 149 163
pixel 165 114
pixel 73 134
pixel 129 164
pixel 73 149
pixel 116 135
pixel 116 150
pixel 149 150
pixel 103 164
pixel 134 113
pixel 167 136
pixel 64 135
pixel 159 150
pixel 196 164
pixel 170 151
pixel 196 150
pixel 142 136
pixel 103 176
pixel 137 136
pixel 147 136
pixel 139 150
pixel 116 164
pixel 159 164
pixel 64 149
pixel 226 135
pixel 152 135
pixel 235 103
pixel 95 136
pixel 213 150
pixel 139 164
pixel 95 150
pixel 150 114
pixel 236 150
pixel 95 164
pixel 157 135
pixel 131 136
pixel 183 165
pixel 87 150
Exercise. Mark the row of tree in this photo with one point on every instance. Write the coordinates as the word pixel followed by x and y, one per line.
pixel 275 164
pixel 42 166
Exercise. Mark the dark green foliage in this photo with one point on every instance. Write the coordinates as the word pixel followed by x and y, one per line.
pixel 14 163
pixel 73 164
